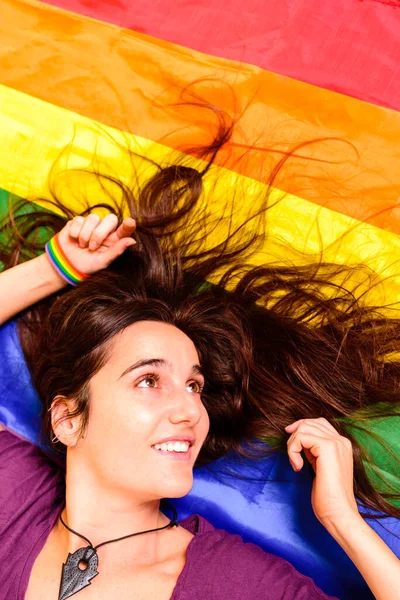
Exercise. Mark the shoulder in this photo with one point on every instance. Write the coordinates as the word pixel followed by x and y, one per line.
pixel 244 569
pixel 29 480
pixel 21 458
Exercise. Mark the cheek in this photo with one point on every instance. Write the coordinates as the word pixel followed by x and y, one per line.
pixel 119 416
pixel 205 422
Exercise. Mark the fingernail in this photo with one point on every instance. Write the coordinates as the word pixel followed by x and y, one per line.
pixel 93 245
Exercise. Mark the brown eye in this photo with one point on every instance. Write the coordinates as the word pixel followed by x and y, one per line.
pixel 149 381
pixel 195 387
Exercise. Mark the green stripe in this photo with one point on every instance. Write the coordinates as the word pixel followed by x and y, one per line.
pixel 44 233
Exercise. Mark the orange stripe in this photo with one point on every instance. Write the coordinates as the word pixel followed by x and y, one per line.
pixel 125 79
pixel 306 51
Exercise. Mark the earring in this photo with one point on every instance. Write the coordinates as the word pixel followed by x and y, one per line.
pixel 54 439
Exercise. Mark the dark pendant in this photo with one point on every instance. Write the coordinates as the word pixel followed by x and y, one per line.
pixel 73 578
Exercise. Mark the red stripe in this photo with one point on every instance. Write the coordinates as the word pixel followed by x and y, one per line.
pixel 350 46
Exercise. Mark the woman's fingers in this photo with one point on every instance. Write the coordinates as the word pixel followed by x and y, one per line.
pixel 117 249
pixel 90 224
pixel 75 226
pixel 93 231
pixel 126 228
pixel 303 441
pixel 320 423
pixel 124 231
pixel 331 456
pixel 91 243
pixel 102 231
pixel 309 435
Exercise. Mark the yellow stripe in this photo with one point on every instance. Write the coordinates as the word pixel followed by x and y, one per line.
pixel 35 133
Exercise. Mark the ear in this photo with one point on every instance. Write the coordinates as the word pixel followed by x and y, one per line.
pixel 66 428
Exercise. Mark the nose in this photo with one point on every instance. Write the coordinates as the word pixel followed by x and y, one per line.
pixel 187 407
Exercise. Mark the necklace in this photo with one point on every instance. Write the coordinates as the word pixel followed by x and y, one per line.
pixel 75 578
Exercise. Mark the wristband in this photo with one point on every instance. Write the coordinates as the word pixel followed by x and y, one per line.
pixel 61 263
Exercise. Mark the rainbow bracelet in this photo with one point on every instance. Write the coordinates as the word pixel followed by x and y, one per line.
pixel 61 263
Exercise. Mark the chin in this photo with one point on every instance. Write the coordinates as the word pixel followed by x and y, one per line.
pixel 179 489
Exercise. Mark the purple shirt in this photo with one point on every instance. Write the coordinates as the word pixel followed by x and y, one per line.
pixel 218 565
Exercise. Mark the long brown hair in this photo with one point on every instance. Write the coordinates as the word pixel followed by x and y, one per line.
pixel 285 342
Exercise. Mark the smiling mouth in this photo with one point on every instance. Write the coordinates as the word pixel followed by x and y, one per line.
pixel 177 455
pixel 171 446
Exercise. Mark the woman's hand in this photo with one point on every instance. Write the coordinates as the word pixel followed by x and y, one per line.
pixel 334 504
pixel 92 243
pixel 331 457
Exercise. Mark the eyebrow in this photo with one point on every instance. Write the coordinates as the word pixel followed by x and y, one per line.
pixel 157 362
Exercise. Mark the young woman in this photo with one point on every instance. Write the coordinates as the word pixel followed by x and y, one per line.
pixel 140 379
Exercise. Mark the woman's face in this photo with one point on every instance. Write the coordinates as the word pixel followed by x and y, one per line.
pixel 148 391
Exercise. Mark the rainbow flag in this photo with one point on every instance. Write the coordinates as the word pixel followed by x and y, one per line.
pixel 322 77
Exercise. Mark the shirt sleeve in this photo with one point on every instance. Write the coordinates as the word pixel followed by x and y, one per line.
pixel 274 577
pixel 29 480
pixel 237 570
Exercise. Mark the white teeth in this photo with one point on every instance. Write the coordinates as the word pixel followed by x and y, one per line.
pixel 173 446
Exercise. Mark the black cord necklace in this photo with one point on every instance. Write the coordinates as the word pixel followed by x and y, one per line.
pixel 73 577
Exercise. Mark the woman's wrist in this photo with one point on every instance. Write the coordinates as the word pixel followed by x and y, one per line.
pixel 27 283
pixel 376 562
pixel 61 263
pixel 48 276
pixel 339 525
